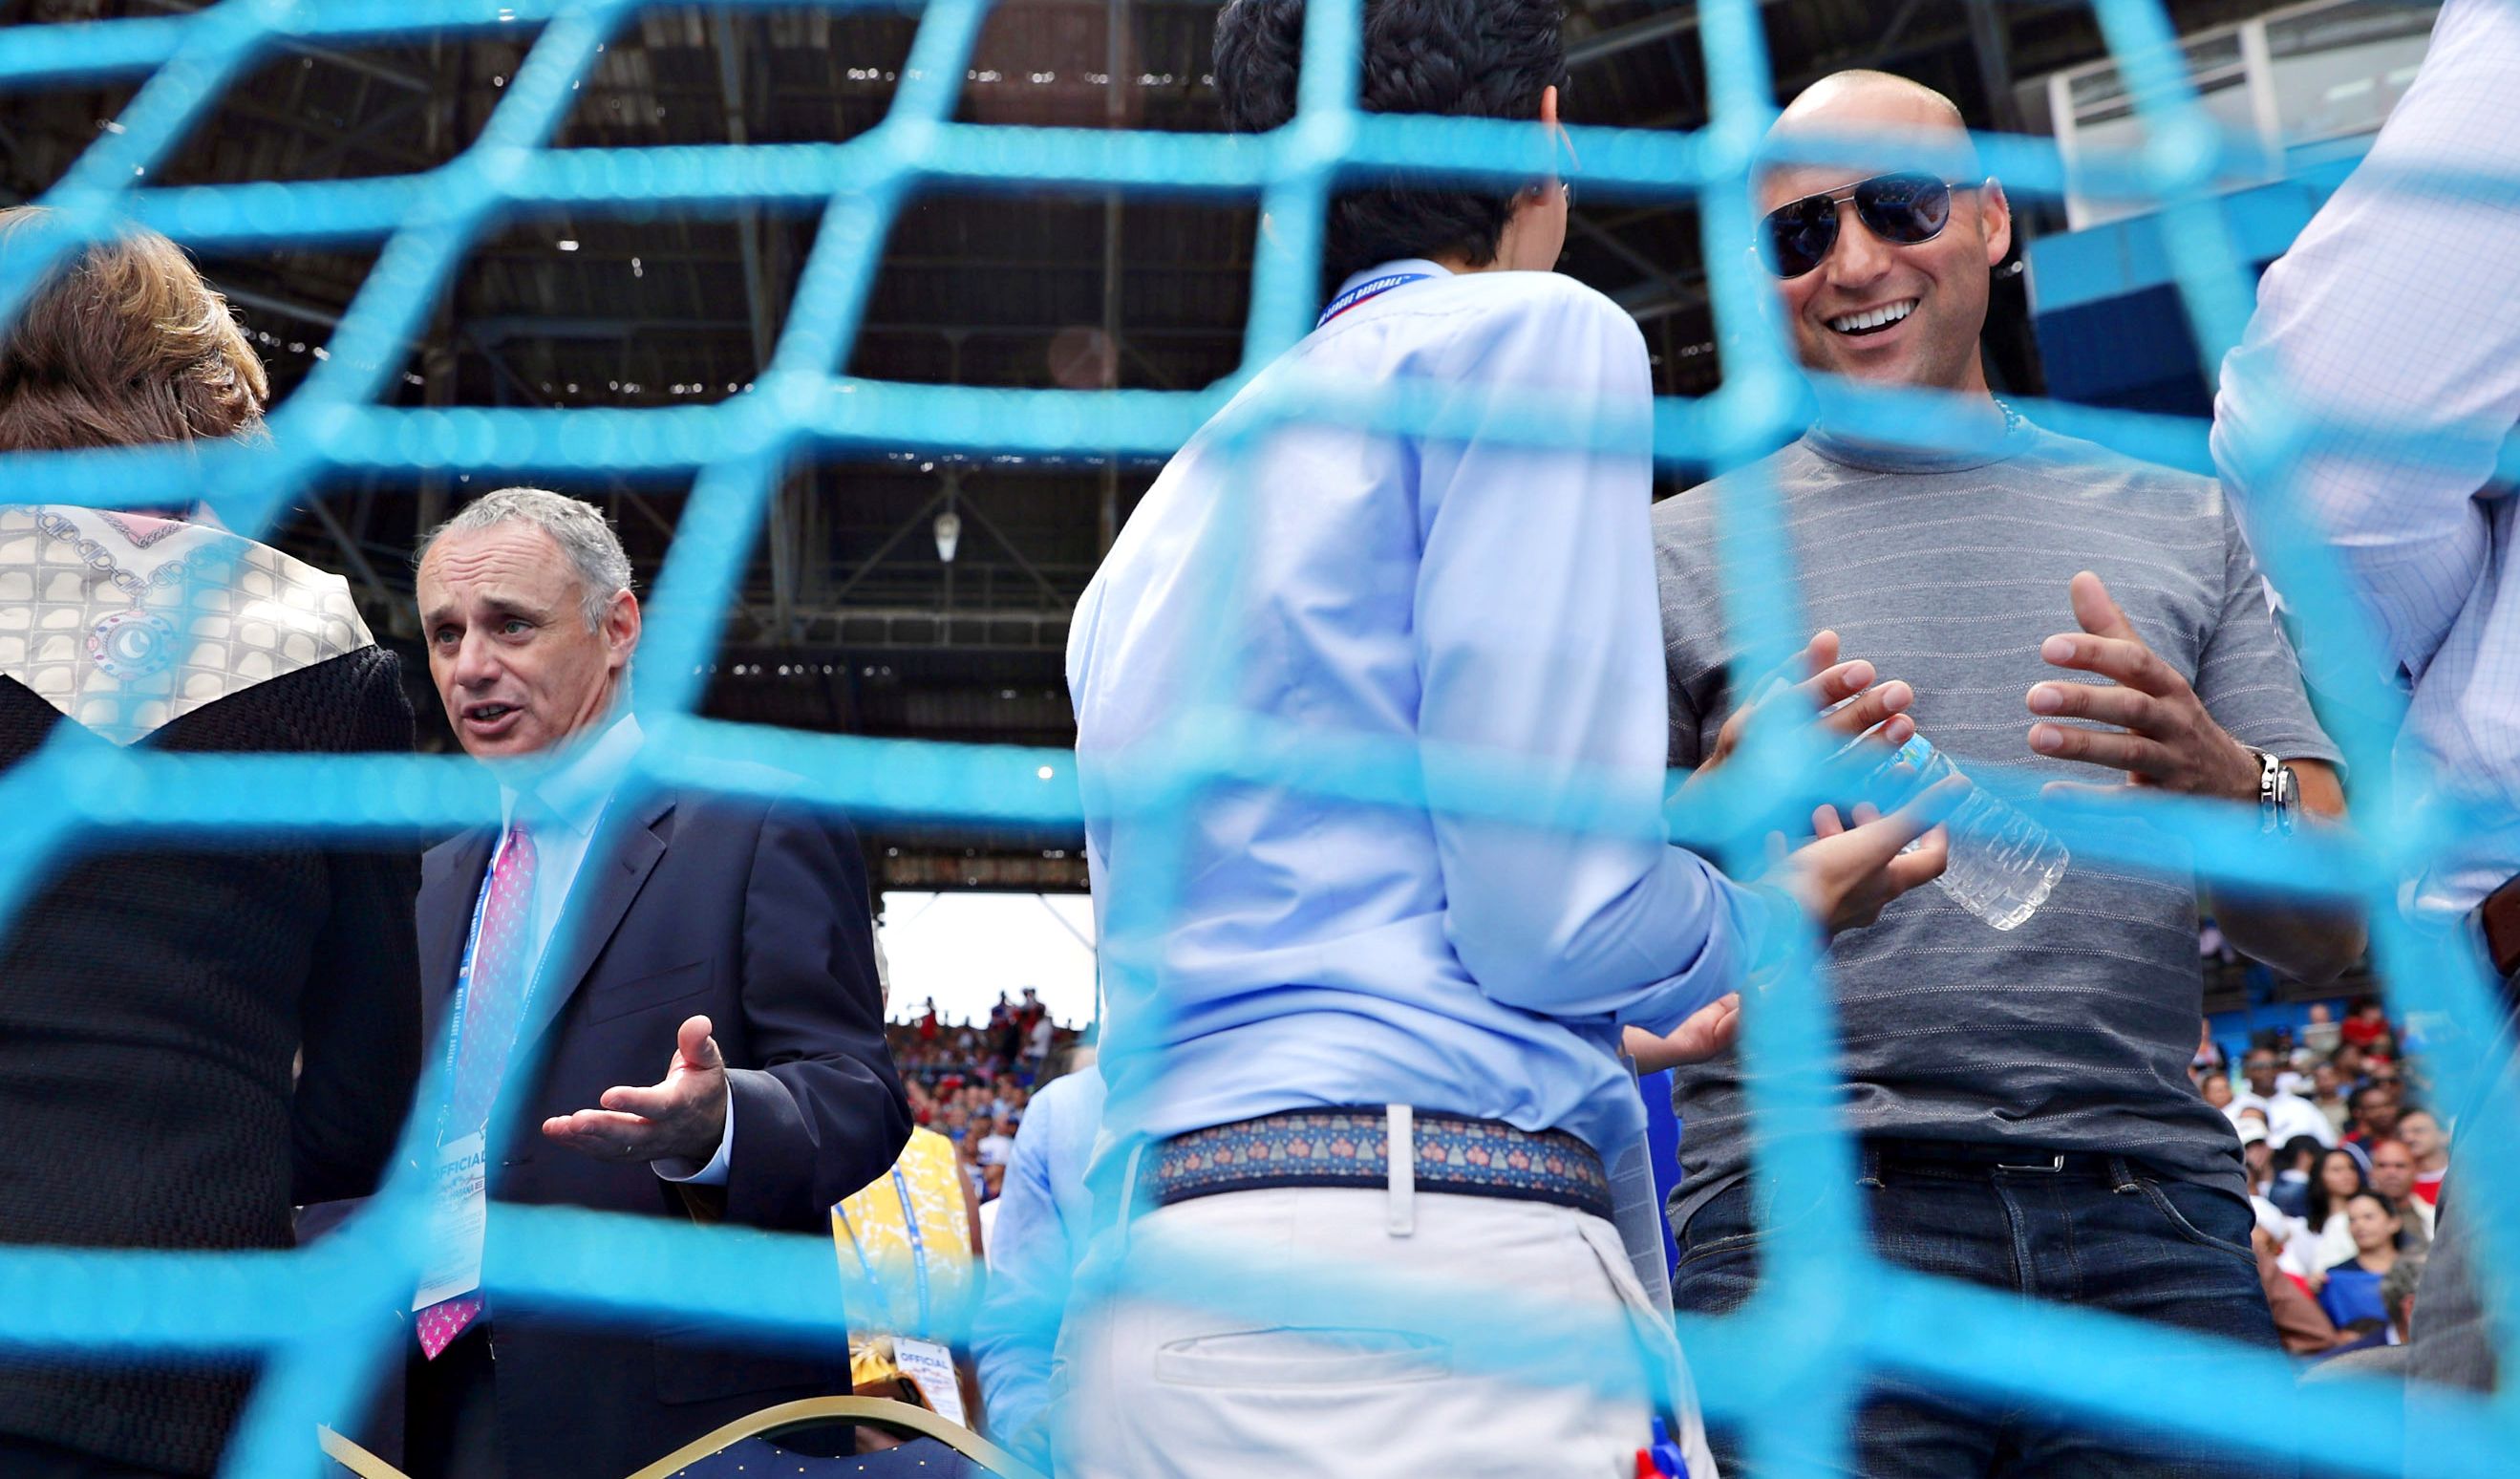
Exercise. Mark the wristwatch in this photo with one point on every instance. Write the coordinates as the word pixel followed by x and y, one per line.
pixel 2279 794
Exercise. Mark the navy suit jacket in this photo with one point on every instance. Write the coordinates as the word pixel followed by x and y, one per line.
pixel 754 911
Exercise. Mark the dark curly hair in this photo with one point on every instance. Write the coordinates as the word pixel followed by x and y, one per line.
pixel 1481 59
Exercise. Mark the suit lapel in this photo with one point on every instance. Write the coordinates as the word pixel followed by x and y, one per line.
pixel 450 881
pixel 624 851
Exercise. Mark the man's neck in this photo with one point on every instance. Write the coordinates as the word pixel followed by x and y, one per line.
pixel 1977 417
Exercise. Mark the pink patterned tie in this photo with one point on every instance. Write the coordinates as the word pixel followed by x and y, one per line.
pixel 503 961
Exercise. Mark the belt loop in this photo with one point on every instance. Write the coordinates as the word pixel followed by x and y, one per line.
pixel 1401 1154
pixel 1867 1161
pixel 1129 1191
pixel 2122 1176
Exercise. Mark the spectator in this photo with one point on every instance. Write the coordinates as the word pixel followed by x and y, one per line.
pixel 2327 1097
pixel 2375 1113
pixel 2060 1043
pixel 2288 1115
pixel 2295 1160
pixel 2329 1238
pixel 2257 1150
pixel 2217 1088
pixel 2368 1023
pixel 2208 1056
pixel 2393 1175
pixel 198 1039
pixel 2398 1295
pixel 999 1143
pixel 2351 1296
pixel 2322 1033
pixel 2302 1325
pixel 1042 1223
pixel 2429 1146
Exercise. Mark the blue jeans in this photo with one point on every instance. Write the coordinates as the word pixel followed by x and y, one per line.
pixel 2103 1233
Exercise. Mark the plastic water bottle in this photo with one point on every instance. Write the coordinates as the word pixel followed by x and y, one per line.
pixel 2003 863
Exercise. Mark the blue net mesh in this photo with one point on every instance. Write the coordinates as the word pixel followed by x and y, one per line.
pixel 1829 1317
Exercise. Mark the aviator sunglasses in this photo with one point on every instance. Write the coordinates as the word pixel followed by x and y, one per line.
pixel 1902 209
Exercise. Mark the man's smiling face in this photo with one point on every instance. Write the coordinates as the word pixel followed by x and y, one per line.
pixel 509 650
pixel 1875 310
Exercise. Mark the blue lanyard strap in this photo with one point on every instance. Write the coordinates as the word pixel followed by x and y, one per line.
pixel 464 983
pixel 917 1242
pixel 1364 291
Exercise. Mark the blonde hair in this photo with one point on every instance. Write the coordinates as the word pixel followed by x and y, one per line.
pixel 122 345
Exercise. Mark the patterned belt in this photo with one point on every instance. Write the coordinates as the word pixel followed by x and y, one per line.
pixel 1350 1148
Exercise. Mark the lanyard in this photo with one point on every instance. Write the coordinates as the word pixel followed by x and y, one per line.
pixel 918 1239
pixel 1364 293
pixel 464 983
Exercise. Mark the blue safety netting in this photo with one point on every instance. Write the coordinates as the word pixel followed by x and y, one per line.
pixel 1830 1316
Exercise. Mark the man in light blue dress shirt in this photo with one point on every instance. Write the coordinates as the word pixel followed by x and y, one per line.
pixel 2392 325
pixel 1405 1016
pixel 1045 1215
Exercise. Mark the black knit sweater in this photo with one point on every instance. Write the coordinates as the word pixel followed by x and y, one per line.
pixel 154 998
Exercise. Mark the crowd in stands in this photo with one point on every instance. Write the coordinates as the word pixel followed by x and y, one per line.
pixel 2345 1163
pixel 971 1083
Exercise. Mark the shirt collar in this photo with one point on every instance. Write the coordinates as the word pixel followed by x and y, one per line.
pixel 1397 267
pixel 1885 457
pixel 573 791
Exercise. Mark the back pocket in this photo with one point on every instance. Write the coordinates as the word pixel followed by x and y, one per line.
pixel 1290 1357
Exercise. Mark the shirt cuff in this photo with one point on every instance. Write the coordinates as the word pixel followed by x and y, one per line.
pixel 678 1168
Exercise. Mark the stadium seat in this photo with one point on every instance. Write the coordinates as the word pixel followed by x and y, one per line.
pixel 935 1449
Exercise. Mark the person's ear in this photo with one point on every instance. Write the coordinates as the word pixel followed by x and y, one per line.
pixel 1995 221
pixel 1538 190
pixel 621 625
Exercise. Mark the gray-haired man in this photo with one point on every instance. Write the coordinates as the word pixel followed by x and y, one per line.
pixel 723 938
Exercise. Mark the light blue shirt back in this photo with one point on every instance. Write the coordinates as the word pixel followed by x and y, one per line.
pixel 1491 597
pixel 1043 1221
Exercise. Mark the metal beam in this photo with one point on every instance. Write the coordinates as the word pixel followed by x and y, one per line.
pixel 1655 273
pixel 1009 544
pixel 1677 21
pixel 900 533
pixel 358 560
pixel 1992 40
pixel 359 65
pixel 1107 517
pixel 783 555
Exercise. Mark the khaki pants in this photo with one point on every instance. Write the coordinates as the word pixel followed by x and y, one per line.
pixel 1159 1388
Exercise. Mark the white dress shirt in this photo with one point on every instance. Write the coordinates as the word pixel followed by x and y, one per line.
pixel 562 806
pixel 2393 320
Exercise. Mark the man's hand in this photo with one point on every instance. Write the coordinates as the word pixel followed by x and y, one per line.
pixel 1829 682
pixel 1708 1031
pixel 684 1118
pixel 1845 876
pixel 2170 741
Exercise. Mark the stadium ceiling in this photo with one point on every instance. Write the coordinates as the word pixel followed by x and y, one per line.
pixel 850 621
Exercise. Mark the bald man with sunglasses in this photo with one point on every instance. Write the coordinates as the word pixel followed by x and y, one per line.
pixel 2040 604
